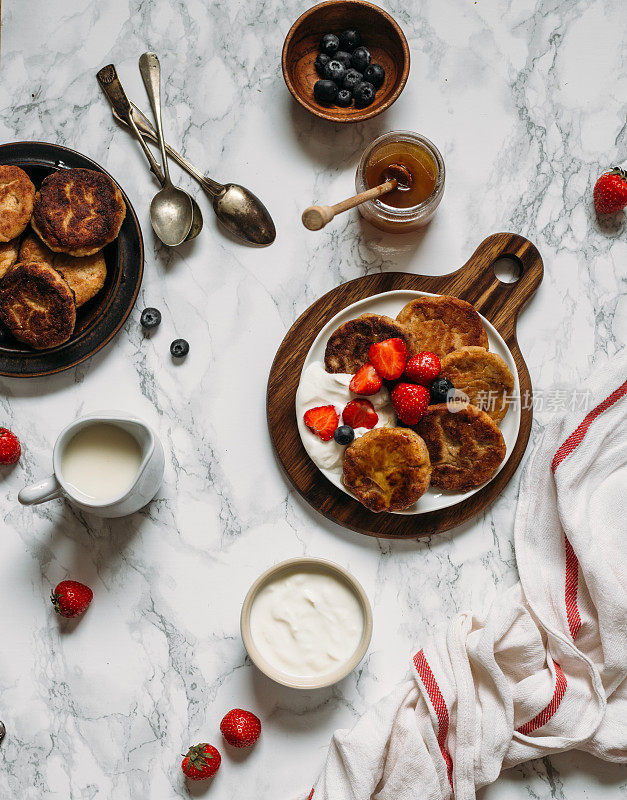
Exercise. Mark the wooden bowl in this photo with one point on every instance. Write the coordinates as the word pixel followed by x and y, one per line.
pixel 380 34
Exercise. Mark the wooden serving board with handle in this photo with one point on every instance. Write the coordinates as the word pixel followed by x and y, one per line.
pixel 475 282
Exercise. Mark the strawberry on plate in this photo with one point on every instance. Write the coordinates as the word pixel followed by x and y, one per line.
pixel 388 358
pixel 410 402
pixel 360 414
pixel 201 762
pixel 240 728
pixel 10 449
pixel 322 420
pixel 423 368
pixel 610 191
pixel 366 381
pixel 71 598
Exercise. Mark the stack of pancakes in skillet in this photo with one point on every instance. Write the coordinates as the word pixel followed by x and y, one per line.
pixel 455 446
pixel 57 266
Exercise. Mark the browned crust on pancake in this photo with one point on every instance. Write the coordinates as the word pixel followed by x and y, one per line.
pixel 37 305
pixel 78 211
pixel 348 345
pixel 441 324
pixel 85 276
pixel 465 448
pixel 387 469
pixel 17 194
pixel 8 255
pixel 483 376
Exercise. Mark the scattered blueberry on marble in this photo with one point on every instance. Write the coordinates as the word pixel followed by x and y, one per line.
pixel 346 73
pixel 349 40
pixel 364 94
pixel 322 59
pixel 179 348
pixel 325 91
pixel 374 74
pixel 344 434
pixel 329 44
pixel 150 318
pixel 360 58
pixel 439 390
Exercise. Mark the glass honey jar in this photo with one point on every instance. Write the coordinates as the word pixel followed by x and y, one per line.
pixel 420 181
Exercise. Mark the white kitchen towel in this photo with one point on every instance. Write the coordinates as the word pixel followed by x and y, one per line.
pixel 545 669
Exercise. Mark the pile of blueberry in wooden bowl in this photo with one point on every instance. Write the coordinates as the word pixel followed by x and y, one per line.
pixel 345 60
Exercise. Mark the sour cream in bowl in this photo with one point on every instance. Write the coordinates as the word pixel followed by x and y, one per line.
pixel 306 623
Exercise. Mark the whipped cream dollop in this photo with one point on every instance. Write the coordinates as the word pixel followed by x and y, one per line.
pixel 318 387
pixel 306 624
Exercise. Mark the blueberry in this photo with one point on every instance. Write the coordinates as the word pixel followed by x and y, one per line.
pixel 150 318
pixel 439 390
pixel 344 434
pixel 179 348
pixel 349 40
pixel 344 58
pixel 329 44
pixel 322 59
pixel 344 98
pixel 335 71
pixel 360 58
pixel 352 79
pixel 375 74
pixel 364 94
pixel 325 91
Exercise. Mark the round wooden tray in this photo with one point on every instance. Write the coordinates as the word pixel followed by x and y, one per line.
pixel 475 282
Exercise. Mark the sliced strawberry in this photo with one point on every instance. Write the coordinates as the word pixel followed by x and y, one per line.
pixel 322 420
pixel 389 358
pixel 410 402
pixel 366 381
pixel 360 414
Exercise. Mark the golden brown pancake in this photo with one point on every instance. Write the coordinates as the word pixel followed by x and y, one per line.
pixel 85 276
pixel 465 448
pixel 441 325
pixel 347 348
pixel 36 305
pixel 483 376
pixel 16 201
pixel 8 255
pixel 387 469
pixel 78 211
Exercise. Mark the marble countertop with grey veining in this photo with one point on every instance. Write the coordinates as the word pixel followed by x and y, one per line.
pixel 526 101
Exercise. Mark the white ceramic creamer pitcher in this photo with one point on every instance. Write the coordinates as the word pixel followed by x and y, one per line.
pixel 140 490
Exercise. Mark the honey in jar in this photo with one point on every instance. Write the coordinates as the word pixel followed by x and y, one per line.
pixel 415 183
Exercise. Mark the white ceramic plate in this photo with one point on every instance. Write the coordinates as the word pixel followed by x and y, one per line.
pixel 390 303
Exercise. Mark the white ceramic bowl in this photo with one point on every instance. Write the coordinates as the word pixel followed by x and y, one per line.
pixel 308 564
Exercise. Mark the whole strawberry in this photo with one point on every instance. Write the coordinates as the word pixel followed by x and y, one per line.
pixel 423 368
pixel 610 191
pixel 240 728
pixel 10 449
pixel 201 762
pixel 71 598
pixel 410 402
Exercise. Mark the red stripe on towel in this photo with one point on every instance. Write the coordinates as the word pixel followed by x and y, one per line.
pixel 311 794
pixel 545 715
pixel 570 591
pixel 576 437
pixel 439 706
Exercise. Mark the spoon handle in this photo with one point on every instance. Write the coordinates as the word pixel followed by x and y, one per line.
pixel 212 187
pixel 150 70
pixel 112 87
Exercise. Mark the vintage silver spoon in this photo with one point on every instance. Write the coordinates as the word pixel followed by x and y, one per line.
pixel 237 208
pixel 171 210
pixel 112 87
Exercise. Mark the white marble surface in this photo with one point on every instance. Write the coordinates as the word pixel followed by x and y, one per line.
pixel 526 101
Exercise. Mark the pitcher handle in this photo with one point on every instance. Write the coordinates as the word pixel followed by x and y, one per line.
pixel 38 493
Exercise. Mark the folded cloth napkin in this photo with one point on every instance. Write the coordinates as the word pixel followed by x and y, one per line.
pixel 545 669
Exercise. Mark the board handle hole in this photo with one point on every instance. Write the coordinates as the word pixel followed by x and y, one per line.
pixel 508 269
